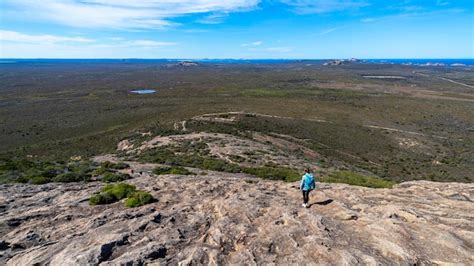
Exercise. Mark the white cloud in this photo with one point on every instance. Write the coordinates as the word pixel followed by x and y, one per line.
pixel 13 36
pixel 324 6
pixel 215 18
pixel 407 15
pixel 256 43
pixel 122 14
pixel 327 31
pixel 14 43
pixel 442 3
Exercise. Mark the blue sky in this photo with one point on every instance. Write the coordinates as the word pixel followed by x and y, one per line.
pixel 317 29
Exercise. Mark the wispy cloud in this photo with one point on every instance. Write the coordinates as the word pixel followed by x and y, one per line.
pixel 214 18
pixel 43 39
pixel 252 44
pixel 330 30
pixel 122 14
pixel 13 36
pixel 442 3
pixel 409 14
pixel 324 6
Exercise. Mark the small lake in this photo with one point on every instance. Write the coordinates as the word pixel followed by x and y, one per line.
pixel 143 91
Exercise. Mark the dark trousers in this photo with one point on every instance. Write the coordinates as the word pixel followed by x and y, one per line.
pixel 306 196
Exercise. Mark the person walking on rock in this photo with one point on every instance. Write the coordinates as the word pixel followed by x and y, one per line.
pixel 307 184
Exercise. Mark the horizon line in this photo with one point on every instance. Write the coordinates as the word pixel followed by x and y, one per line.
pixel 205 58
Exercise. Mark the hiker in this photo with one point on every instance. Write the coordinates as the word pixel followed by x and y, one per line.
pixel 307 184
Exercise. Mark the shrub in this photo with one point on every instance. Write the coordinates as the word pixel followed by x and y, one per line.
pixel 110 165
pixel 165 156
pixel 220 165
pixel 120 190
pixel 51 171
pixel 102 198
pixel 115 192
pixel 81 168
pixel 39 180
pixel 139 198
pixel 24 171
pixel 114 177
pixel 22 179
pixel 177 170
pixel 132 202
pixel 101 170
pixel 70 177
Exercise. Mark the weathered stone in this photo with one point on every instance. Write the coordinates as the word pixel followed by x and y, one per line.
pixel 221 219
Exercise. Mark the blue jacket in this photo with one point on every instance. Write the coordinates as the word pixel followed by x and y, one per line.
pixel 307 182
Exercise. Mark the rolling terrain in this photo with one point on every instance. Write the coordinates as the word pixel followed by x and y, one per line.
pixel 419 126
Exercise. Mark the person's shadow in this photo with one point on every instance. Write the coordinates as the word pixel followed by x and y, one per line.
pixel 324 202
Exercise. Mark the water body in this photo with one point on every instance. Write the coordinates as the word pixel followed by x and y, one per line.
pixel 143 91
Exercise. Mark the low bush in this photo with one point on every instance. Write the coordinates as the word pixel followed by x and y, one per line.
pixel 120 190
pixel 101 170
pixel 165 156
pixel 138 198
pixel 117 166
pixel 70 177
pixel 39 172
pixel 102 198
pixel 220 165
pixel 115 192
pixel 21 179
pixel 176 170
pixel 80 167
pixel 110 177
pixel 39 180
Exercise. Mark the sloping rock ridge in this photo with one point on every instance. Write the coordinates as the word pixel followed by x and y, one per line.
pixel 222 218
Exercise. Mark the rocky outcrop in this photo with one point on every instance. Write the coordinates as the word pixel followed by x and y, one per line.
pixel 223 218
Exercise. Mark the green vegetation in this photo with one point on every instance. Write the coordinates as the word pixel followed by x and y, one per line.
pixel 175 170
pixel 107 170
pixel 39 180
pixel 120 190
pixel 356 179
pixel 41 172
pixel 71 177
pixel 138 198
pixel 165 155
pixel 353 145
pixel 116 166
pixel 102 198
pixel 115 192
pixel 69 110
pixel 114 177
